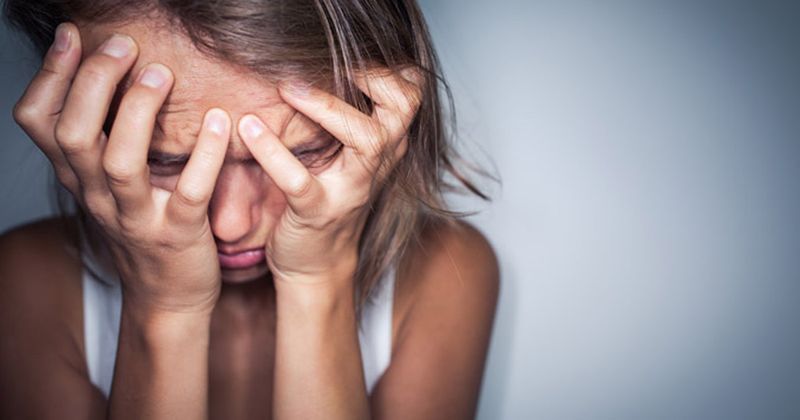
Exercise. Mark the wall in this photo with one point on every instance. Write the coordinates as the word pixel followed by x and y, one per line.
pixel 647 223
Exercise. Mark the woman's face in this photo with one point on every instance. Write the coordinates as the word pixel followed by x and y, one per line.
pixel 245 205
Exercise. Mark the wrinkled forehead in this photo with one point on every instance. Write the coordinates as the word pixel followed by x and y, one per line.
pixel 201 83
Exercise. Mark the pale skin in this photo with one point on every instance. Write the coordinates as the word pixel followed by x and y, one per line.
pixel 197 341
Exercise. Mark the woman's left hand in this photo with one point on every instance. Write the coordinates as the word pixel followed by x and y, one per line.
pixel 316 240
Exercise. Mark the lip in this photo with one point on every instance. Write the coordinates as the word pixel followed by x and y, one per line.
pixel 241 259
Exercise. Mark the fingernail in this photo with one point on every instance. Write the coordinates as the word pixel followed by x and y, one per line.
pixel 252 127
pixel 118 46
pixel 63 39
pixel 153 76
pixel 216 121
pixel 297 89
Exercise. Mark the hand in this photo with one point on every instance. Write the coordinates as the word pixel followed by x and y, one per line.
pixel 161 241
pixel 316 239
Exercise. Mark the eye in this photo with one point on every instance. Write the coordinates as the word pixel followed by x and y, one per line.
pixel 319 153
pixel 166 167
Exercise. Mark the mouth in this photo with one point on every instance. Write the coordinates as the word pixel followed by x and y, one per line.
pixel 243 259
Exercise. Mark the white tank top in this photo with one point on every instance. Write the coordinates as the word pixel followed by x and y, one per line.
pixel 102 305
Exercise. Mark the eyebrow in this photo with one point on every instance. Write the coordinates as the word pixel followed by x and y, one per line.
pixel 167 158
pixel 316 141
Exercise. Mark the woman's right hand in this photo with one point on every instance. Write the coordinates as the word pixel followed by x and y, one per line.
pixel 160 240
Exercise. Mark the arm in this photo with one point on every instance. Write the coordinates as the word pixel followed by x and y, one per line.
pixel 312 251
pixel 43 372
pixel 161 370
pixel 160 240
pixel 318 368
pixel 442 350
pixel 445 301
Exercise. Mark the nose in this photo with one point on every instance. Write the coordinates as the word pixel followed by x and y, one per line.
pixel 233 209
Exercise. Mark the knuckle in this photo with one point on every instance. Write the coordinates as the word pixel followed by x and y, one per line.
pixel 70 139
pixel 299 186
pixel 407 108
pixel 94 72
pixel 20 113
pixel 119 173
pixel 25 115
pixel 138 100
pixel 190 196
pixel 50 70
pixel 406 95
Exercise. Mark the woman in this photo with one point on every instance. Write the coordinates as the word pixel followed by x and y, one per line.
pixel 260 230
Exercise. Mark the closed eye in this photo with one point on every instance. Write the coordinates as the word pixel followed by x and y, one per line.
pixel 164 164
pixel 317 154
pixel 314 154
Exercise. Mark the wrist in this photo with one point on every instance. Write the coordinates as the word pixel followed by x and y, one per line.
pixel 157 304
pixel 162 363
pixel 328 273
pixel 319 294
pixel 154 325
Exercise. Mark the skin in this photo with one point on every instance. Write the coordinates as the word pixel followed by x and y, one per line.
pixel 197 341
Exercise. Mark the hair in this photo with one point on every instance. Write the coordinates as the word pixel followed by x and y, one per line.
pixel 319 41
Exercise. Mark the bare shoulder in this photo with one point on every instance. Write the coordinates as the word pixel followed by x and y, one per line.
pixel 449 263
pixel 39 263
pixel 444 305
pixel 40 310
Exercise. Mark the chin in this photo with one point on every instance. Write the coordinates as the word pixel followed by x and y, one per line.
pixel 245 275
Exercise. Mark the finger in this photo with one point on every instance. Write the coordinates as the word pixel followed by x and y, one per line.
pixel 303 191
pixel 352 127
pixel 189 201
pixel 79 128
pixel 125 159
pixel 38 109
pixel 390 90
pixel 396 98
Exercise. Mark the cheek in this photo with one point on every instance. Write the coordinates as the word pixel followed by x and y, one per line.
pixel 274 201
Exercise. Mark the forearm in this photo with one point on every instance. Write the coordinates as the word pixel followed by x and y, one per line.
pixel 318 370
pixel 161 370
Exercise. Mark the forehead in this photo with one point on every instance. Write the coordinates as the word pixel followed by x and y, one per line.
pixel 201 83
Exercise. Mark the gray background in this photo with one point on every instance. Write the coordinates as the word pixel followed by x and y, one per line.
pixel 648 221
